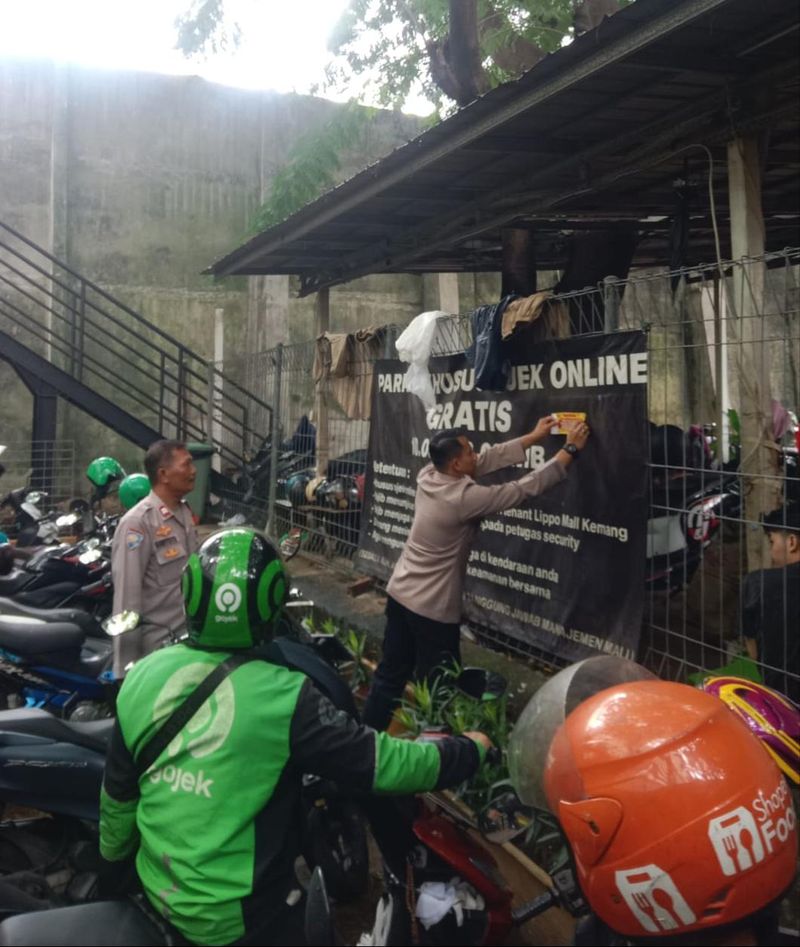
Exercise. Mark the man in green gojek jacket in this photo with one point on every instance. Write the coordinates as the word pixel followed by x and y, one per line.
pixel 215 822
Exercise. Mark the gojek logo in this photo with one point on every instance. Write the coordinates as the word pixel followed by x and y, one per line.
pixel 228 598
pixel 203 734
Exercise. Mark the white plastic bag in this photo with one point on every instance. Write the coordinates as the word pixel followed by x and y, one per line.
pixel 414 346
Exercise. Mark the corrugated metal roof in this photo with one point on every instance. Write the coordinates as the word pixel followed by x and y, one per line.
pixel 596 135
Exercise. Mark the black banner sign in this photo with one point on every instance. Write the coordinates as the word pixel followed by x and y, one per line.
pixel 563 571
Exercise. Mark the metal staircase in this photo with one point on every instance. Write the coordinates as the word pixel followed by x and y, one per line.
pixel 66 337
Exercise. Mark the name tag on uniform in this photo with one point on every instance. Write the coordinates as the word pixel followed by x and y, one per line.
pixel 163 531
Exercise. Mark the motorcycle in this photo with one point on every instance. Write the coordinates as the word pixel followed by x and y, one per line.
pixel 54 664
pixel 133 922
pixel 60 576
pixel 33 525
pixel 251 481
pixel 441 886
pixel 691 501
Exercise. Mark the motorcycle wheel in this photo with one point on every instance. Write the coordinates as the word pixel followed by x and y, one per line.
pixel 336 841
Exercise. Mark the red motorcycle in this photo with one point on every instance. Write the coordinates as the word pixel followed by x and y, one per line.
pixel 441 886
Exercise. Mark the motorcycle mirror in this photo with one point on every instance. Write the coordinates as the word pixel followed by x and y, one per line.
pixel 480 684
pixel 68 519
pixel 290 543
pixel 504 818
pixel 118 624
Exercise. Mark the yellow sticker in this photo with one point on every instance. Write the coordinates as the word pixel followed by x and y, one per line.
pixel 566 420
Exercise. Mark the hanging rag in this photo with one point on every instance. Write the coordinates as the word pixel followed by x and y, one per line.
pixel 550 316
pixel 346 361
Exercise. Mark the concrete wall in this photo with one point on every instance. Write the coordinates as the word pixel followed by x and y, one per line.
pixel 139 181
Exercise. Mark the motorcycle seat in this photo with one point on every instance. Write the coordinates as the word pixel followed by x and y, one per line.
pixel 15 580
pixel 92 734
pixel 74 616
pixel 116 923
pixel 29 637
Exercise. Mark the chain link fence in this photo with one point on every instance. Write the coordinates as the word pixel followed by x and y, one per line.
pixel 724 386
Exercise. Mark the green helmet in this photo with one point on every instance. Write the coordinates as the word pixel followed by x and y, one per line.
pixel 103 471
pixel 133 488
pixel 233 589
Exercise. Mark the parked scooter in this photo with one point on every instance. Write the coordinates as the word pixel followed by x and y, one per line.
pixel 35 744
pixel 54 665
pixel 34 524
pixel 61 576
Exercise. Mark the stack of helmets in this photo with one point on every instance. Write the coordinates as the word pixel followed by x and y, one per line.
pixel 296 487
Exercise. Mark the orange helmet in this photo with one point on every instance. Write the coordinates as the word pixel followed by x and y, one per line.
pixel 677 818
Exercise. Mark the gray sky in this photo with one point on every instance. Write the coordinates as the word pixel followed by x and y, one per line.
pixel 283 46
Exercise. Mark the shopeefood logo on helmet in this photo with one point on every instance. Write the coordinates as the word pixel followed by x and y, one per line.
pixel 638 886
pixel 741 838
pixel 228 598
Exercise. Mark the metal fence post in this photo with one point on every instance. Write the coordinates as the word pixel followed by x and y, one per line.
pixel 210 406
pixel 611 304
pixel 275 434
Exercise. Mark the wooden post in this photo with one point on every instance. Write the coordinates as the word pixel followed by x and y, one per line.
pixel 322 321
pixel 519 262
pixel 762 487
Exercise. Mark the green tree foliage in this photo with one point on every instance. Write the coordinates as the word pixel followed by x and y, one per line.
pixel 204 28
pixel 402 46
pixel 314 163
pixel 449 51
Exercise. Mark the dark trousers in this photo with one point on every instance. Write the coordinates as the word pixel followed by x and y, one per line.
pixel 412 645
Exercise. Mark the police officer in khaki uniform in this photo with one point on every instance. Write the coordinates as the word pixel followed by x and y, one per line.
pixel 151 545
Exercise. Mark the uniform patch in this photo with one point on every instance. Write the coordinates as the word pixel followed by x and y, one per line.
pixel 163 531
pixel 134 539
pixel 165 511
pixel 172 552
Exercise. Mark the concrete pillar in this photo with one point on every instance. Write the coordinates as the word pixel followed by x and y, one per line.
pixel 448 293
pixel 268 312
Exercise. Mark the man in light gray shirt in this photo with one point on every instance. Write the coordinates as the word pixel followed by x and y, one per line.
pixel 151 545
pixel 423 611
